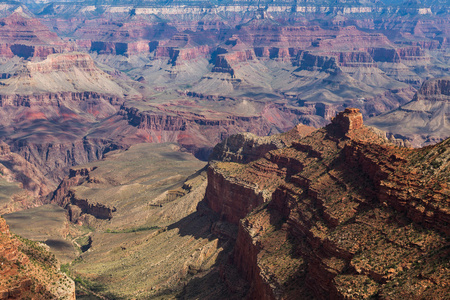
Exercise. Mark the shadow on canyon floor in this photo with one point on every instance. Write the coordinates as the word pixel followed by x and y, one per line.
pixel 221 280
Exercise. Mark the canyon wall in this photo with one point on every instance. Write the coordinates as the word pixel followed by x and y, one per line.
pixel 327 229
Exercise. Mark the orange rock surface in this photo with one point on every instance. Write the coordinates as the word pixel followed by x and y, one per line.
pixel 28 271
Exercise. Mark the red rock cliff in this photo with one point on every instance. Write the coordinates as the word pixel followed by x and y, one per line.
pixel 348 216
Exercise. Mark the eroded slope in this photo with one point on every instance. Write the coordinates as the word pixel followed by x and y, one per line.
pixel 28 270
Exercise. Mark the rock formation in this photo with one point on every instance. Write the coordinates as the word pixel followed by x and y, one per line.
pixel 66 198
pixel 424 120
pixel 27 37
pixel 341 212
pixel 246 147
pixel 32 185
pixel 48 106
pixel 28 270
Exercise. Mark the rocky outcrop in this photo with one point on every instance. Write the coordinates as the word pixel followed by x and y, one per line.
pixel 73 179
pixel 348 120
pixel 56 158
pixel 120 48
pixel 66 198
pixel 29 271
pixel 417 201
pixel 384 55
pixel 65 62
pixel 226 63
pixel 179 55
pixel 233 200
pixel 437 89
pixel 397 55
pixel 276 53
pixel 346 215
pixel 317 62
pixel 355 59
pixel 91 100
pixel 246 147
pixel 413 54
pixel 151 121
pixel 83 206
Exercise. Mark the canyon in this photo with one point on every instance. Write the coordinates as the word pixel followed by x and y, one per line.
pixel 109 112
pixel 308 213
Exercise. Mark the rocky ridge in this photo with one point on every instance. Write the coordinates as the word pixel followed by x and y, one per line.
pixel 319 228
pixel 28 270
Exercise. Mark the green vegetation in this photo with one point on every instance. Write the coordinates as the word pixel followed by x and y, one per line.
pixel 89 285
pixel 36 252
pixel 65 269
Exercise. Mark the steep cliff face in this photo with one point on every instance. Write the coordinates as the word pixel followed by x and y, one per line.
pixel 28 270
pixel 54 158
pixel 77 206
pixel 346 214
pixel 226 63
pixel 384 55
pixel 437 89
pixel 317 62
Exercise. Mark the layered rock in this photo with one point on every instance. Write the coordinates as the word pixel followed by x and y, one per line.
pixel 228 62
pixel 246 147
pixel 55 102
pixel 198 130
pixel 317 62
pixel 55 158
pixel 28 270
pixel 120 48
pixel 70 72
pixel 27 37
pixel 424 120
pixel 181 48
pixel 348 215
pixel 64 197
pixel 384 55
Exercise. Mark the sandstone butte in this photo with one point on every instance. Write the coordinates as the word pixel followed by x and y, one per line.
pixel 339 214
pixel 29 271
